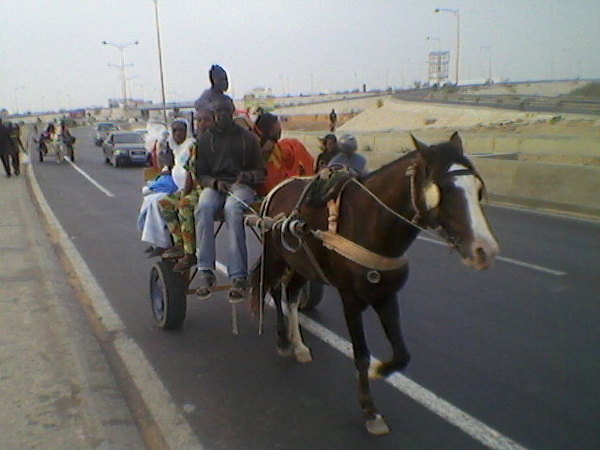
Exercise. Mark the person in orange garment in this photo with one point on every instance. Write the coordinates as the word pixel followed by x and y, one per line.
pixel 284 158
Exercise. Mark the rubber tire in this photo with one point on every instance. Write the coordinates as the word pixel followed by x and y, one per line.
pixel 167 296
pixel 310 296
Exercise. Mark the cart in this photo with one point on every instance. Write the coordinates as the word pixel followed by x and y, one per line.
pixel 58 147
pixel 169 292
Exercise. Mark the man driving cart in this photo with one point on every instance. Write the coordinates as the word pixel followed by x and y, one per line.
pixel 229 168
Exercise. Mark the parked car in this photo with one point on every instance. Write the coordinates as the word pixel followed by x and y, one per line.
pixel 102 131
pixel 121 147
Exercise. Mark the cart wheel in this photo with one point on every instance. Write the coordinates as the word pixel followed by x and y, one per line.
pixel 167 296
pixel 310 296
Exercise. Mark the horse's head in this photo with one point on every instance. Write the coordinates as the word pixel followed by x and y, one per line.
pixel 447 193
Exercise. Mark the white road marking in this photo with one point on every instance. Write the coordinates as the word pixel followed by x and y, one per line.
pixel 507 260
pixel 171 424
pixel 450 413
pixel 89 178
pixel 473 427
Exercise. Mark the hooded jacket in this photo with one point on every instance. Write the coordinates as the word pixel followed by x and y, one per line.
pixel 224 154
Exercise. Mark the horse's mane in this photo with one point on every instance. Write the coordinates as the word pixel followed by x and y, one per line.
pixel 445 154
pixel 408 155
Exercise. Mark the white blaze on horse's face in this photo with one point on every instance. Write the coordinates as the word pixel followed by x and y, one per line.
pixel 481 248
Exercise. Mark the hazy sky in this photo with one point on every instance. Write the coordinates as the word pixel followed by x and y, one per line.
pixel 51 53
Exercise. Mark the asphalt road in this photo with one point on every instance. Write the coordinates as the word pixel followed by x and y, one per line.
pixel 514 347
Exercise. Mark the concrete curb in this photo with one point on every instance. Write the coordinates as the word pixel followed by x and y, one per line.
pixel 157 416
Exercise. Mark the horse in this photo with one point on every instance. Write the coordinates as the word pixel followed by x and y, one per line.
pixel 359 247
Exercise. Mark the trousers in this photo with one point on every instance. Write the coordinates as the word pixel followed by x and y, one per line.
pixel 210 203
pixel 179 215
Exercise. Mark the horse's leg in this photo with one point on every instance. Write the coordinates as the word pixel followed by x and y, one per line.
pixel 389 314
pixel 301 351
pixel 284 347
pixel 373 420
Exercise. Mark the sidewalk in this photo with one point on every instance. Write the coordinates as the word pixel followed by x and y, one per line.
pixel 56 388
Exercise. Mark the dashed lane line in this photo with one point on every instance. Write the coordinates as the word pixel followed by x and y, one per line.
pixel 516 262
pixel 89 178
pixel 450 413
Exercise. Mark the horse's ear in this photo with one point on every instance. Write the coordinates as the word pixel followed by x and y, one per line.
pixel 456 141
pixel 419 145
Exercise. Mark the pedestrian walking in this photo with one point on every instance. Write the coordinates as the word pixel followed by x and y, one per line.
pixel 8 153
pixel 332 120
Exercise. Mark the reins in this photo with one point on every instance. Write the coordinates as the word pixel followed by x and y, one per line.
pixel 390 210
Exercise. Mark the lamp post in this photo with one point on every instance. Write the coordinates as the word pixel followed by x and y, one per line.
pixel 160 62
pixel 489 49
pixel 122 66
pixel 456 13
pixel 16 98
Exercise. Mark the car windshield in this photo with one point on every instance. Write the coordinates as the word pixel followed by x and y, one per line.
pixel 128 138
pixel 106 127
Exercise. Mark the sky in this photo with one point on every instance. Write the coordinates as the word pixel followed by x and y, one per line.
pixel 52 56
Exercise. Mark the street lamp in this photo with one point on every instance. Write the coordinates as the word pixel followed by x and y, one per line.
pixel 160 63
pixel 489 49
pixel 122 47
pixel 456 13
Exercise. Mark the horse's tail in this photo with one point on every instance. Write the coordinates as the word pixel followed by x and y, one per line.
pixel 255 294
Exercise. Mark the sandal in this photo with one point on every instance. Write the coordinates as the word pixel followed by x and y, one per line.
pixel 174 252
pixel 185 263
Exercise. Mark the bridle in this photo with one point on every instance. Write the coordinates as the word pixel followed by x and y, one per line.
pixel 420 216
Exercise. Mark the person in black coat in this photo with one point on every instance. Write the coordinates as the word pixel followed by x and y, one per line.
pixel 229 167
pixel 8 151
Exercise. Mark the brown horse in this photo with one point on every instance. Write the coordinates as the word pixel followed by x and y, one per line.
pixel 379 217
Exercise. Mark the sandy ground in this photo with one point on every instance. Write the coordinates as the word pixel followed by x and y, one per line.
pixel 546 131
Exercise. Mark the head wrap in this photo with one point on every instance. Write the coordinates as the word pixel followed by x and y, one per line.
pixel 265 121
pixel 214 69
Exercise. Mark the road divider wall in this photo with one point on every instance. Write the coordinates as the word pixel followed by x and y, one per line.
pixel 562 187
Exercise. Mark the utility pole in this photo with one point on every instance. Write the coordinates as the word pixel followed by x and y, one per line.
pixel 456 13
pixel 160 62
pixel 122 66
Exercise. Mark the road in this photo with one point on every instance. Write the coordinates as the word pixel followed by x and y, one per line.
pixel 514 347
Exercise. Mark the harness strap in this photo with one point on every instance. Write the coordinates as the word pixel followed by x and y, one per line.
pixel 315 263
pixel 333 209
pixel 358 253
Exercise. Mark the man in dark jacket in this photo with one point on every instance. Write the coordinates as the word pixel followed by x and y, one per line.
pixel 7 150
pixel 229 167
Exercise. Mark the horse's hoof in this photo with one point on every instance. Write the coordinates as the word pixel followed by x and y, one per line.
pixel 374 371
pixel 284 352
pixel 303 356
pixel 377 425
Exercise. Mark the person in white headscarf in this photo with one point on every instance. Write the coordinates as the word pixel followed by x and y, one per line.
pixel 178 209
pixel 154 228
